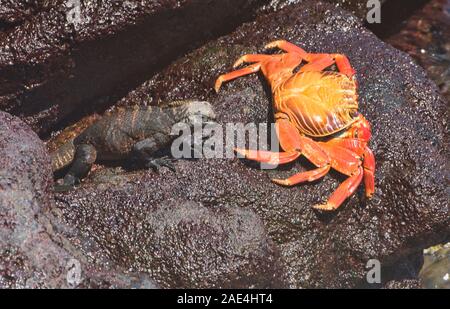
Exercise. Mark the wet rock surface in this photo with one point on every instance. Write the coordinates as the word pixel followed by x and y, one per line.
pixel 179 243
pixel 435 273
pixel 404 284
pixel 15 11
pixel 426 37
pixel 357 7
pixel 59 60
pixel 25 182
pixel 33 252
pixel 408 213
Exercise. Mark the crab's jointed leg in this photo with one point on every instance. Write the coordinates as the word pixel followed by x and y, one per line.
pixel 294 145
pixel 289 140
pixel 309 148
pixel 325 155
pixel 235 74
pixel 308 176
pixel 341 60
pixel 344 65
pixel 251 58
pixel 369 172
pixel 345 189
pixel 288 47
pixel 319 63
pixel 269 157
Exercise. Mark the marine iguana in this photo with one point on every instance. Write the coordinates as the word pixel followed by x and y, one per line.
pixel 137 133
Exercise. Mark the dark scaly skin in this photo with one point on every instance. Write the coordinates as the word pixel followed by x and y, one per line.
pixel 133 132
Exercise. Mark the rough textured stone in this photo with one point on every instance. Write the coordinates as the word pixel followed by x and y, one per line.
pixel 426 37
pixel 178 242
pixel 357 7
pixel 15 11
pixel 33 251
pixel 404 284
pixel 29 258
pixel 409 211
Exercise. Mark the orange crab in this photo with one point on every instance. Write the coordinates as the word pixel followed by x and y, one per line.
pixel 316 115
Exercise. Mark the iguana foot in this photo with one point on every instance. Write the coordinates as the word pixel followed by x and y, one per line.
pixel 157 163
pixel 67 183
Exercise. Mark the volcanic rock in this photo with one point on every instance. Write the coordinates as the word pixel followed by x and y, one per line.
pixel 408 213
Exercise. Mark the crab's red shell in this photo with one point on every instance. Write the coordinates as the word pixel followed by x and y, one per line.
pixel 319 103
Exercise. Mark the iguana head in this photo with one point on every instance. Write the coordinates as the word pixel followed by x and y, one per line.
pixel 198 113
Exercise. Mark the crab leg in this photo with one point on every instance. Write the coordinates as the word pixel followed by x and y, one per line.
pixel 289 140
pixel 319 63
pixel 289 137
pixel 269 157
pixel 344 65
pixel 369 172
pixel 287 47
pixel 308 176
pixel 251 58
pixel 235 74
pixel 343 191
pixel 287 133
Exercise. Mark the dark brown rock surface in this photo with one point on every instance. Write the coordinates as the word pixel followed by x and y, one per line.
pixel 180 243
pixel 409 211
pixel 357 7
pixel 15 11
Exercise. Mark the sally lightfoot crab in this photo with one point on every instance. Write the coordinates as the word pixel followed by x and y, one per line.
pixel 316 115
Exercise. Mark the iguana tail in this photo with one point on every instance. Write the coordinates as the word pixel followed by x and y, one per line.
pixel 63 156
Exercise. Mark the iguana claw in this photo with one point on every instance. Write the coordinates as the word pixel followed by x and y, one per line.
pixel 157 163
